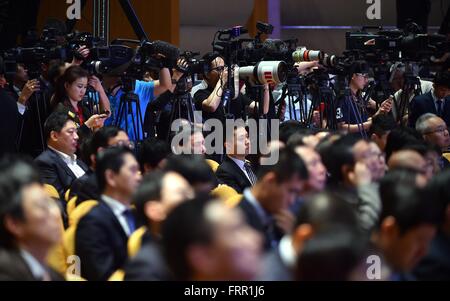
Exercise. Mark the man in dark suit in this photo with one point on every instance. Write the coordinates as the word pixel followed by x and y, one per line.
pixel 29 224
pixel 102 234
pixel 235 171
pixel 158 194
pixel 276 189
pixel 58 165
pixel 436 101
pixel 86 187
pixel 435 266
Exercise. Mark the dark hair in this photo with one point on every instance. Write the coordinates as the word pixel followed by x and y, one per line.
pixel 288 165
pixel 54 71
pixel 148 190
pixel 153 151
pixel 331 255
pixel 337 155
pixel 404 201
pixel 288 128
pixel 15 174
pixel 185 226
pixel 442 78
pixel 296 139
pixel 99 139
pixel 359 67
pixel 2 66
pixel 70 75
pixel 192 167
pixel 209 57
pixel 326 209
pixel 381 124
pixel 55 122
pixel 109 159
pixel 399 137
pixel 438 191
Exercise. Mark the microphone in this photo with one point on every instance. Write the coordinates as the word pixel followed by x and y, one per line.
pixel 168 50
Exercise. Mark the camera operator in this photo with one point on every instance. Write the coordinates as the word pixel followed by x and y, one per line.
pixel 8 117
pixel 158 112
pixel 397 82
pixel 209 100
pixel 148 90
pixel 351 113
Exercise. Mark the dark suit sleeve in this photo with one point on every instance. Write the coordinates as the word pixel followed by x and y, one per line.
pixel 92 246
pixel 49 175
pixel 225 177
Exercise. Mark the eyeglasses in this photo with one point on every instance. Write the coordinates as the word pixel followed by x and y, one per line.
pixel 218 69
pixel 129 144
pixel 365 75
pixel 440 130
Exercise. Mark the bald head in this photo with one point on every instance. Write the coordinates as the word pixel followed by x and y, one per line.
pixel 406 159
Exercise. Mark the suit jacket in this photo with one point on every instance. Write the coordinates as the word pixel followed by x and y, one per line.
pixel 230 174
pixel 424 103
pixel 435 266
pixel 14 268
pixel 253 220
pixel 274 269
pixel 85 188
pixel 101 243
pixel 54 171
pixel 148 265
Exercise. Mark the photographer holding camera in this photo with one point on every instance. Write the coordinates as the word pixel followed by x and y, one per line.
pixel 352 112
pixel 210 100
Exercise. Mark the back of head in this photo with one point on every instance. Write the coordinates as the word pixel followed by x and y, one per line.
pixel 326 210
pixel 382 124
pixel 15 174
pixel 405 202
pixel 289 165
pixel 398 138
pixel 193 168
pixel 185 226
pixel 153 151
pixel 148 190
pixel 437 191
pixel 442 78
pixel 331 255
pixel 336 155
pixel 288 128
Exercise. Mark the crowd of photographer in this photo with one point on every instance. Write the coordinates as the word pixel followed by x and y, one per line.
pixel 104 189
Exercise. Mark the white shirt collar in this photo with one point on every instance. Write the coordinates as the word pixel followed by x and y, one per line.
pixel 117 207
pixel 238 162
pixel 67 158
pixel 287 252
pixel 259 209
pixel 37 269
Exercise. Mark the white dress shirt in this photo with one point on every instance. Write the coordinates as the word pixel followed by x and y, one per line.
pixel 71 162
pixel 118 209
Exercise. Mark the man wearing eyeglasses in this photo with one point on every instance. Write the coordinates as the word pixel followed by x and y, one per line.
pixel 437 101
pixel 435 131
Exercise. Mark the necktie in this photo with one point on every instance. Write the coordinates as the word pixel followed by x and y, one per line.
pixel 128 214
pixel 439 107
pixel 250 173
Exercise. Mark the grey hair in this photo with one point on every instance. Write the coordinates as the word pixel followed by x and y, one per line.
pixel 422 124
